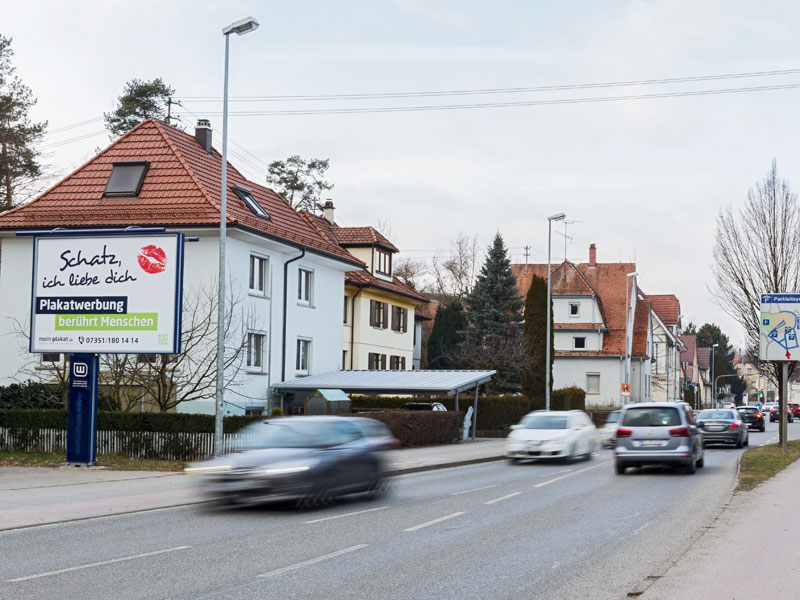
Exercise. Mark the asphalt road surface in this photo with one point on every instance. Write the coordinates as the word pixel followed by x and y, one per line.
pixel 531 530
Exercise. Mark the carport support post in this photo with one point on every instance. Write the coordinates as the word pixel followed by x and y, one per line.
pixel 784 403
pixel 475 412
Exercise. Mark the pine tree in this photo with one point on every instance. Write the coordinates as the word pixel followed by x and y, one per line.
pixel 19 158
pixel 140 100
pixel 447 333
pixel 534 334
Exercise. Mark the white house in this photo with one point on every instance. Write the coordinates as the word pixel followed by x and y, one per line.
pixel 286 281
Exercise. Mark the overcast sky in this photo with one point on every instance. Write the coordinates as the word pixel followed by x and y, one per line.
pixel 642 179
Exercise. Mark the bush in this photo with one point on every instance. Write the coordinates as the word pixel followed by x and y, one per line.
pixel 570 398
pixel 276 412
pixel 31 395
pixel 420 428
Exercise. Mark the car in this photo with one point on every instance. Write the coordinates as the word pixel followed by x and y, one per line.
pixel 658 433
pixel 723 426
pixel 728 405
pixel 768 407
pixel 753 416
pixel 564 434
pixel 608 431
pixel 437 406
pixel 311 460
pixel 774 414
pixel 794 407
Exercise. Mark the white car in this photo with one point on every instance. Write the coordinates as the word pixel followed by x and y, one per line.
pixel 552 434
pixel 608 432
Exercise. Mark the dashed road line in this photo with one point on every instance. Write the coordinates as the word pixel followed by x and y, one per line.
pixel 506 497
pixel 486 487
pixel 434 522
pixel 312 561
pixel 360 512
pixel 549 481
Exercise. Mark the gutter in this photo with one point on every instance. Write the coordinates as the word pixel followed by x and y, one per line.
pixel 285 292
pixel 353 324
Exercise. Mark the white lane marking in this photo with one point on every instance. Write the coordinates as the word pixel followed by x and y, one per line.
pixel 439 520
pixel 503 498
pixel 97 564
pixel 549 481
pixel 360 512
pixel 550 474
pixel 486 487
pixel 637 531
pixel 313 561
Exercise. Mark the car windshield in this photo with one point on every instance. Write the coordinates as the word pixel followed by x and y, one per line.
pixel 716 415
pixel 748 410
pixel 296 433
pixel 612 418
pixel 544 422
pixel 652 416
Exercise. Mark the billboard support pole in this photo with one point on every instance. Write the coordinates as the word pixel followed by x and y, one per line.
pixel 784 403
pixel 82 410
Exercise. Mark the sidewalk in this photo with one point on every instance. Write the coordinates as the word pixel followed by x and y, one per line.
pixel 757 528
pixel 36 496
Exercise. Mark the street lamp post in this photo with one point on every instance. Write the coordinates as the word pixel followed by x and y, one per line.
pixel 558 217
pixel 713 384
pixel 239 28
pixel 629 331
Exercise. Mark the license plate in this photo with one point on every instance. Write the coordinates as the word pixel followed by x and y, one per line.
pixel 652 443
pixel 716 428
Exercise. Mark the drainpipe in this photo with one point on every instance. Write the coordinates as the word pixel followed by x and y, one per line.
pixel 353 326
pixel 285 292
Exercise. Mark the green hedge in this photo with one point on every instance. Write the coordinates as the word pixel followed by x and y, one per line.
pixel 420 428
pixel 120 421
pixel 31 395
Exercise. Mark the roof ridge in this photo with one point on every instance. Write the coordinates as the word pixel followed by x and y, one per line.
pixel 189 170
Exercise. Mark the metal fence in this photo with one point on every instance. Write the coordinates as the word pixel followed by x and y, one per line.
pixel 134 444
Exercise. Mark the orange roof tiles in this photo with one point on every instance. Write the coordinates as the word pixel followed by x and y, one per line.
pixel 667 307
pixel 362 236
pixel 181 189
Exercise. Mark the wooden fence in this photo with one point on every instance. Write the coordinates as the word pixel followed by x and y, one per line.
pixel 134 444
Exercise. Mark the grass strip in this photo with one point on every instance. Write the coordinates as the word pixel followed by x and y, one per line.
pixel 11 458
pixel 759 464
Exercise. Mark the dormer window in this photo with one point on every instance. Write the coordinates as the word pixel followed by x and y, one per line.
pixel 383 262
pixel 246 196
pixel 126 178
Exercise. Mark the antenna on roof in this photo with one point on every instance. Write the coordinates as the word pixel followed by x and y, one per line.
pixel 567 237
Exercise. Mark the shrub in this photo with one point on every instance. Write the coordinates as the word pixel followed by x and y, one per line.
pixel 31 395
pixel 276 412
pixel 570 398
pixel 420 428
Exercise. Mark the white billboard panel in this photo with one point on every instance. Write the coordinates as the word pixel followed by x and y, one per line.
pixel 780 320
pixel 119 293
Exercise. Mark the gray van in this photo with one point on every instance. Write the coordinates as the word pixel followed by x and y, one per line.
pixel 658 433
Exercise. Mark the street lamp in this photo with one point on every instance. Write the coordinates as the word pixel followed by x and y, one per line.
pixel 558 217
pixel 239 28
pixel 628 330
pixel 713 386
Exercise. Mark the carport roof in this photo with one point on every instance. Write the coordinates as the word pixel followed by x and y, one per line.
pixel 390 382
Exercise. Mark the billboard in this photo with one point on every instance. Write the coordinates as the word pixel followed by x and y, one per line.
pixel 780 320
pixel 118 293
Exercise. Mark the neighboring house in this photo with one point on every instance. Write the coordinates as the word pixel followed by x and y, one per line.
pixel 667 348
pixel 286 280
pixel 691 370
pixel 748 369
pixel 591 335
pixel 380 327
pixel 704 365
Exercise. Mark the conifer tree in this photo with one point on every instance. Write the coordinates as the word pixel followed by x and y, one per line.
pixel 448 330
pixel 535 344
pixel 140 100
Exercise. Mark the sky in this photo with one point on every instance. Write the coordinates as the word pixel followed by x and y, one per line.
pixel 644 179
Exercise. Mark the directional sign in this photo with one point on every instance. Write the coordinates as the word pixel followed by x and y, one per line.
pixel 780 321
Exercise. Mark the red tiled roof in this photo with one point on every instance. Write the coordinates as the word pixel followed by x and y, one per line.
pixel 181 189
pixel 704 358
pixel 690 342
pixel 362 236
pixel 578 326
pixel 667 307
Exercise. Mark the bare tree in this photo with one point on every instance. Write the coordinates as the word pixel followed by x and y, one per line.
pixel 757 251
pixel 411 272
pixel 454 275
pixel 49 368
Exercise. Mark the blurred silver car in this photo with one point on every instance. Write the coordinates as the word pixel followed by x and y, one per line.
pixel 658 433
pixel 608 432
pixel 723 426
pixel 552 434
pixel 311 460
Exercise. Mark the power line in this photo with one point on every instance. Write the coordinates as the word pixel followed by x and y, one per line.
pixel 72 126
pixel 430 108
pixel 71 140
pixel 512 90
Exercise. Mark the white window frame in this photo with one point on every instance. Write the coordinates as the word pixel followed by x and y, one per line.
pixel 254 358
pixel 305 286
pixel 577 311
pixel 302 369
pixel 383 258
pixel 575 342
pixel 588 375
pixel 262 261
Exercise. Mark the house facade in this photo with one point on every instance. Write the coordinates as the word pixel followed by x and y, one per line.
pixel 667 348
pixel 690 369
pixel 286 282
pixel 379 326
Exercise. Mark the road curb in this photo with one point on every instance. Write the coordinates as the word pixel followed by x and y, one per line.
pixel 434 467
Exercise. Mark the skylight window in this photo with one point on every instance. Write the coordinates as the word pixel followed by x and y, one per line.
pixel 126 178
pixel 247 197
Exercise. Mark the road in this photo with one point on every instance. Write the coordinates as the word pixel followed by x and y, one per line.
pixel 531 530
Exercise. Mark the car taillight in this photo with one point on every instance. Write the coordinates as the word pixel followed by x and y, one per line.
pixel 679 432
pixel 758 415
pixel 734 426
pixel 624 433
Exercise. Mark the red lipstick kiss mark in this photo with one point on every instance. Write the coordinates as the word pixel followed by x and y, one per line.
pixel 152 259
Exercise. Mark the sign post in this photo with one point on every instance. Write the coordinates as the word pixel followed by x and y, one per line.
pixel 104 291
pixel 778 341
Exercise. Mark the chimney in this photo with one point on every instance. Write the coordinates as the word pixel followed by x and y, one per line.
pixel 327 211
pixel 202 133
pixel 592 256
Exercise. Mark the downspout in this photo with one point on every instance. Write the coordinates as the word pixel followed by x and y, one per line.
pixel 353 326
pixel 285 292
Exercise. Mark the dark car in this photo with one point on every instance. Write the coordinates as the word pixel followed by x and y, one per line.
pixel 723 426
pixel 311 460
pixel 774 414
pixel 753 417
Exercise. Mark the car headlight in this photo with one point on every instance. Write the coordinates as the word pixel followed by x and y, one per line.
pixel 286 468
pixel 207 469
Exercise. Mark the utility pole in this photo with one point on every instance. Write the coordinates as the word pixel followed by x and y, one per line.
pixel 170 102
pixel 527 253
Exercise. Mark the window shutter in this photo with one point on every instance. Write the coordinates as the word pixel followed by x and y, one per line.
pixel 403 363
pixel 383 362
pixel 404 315
pixel 394 318
pixel 385 320
pixel 372 313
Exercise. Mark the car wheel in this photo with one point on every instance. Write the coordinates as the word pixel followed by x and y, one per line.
pixel 571 456
pixel 621 468
pixel 701 462
pixel 692 467
pixel 513 460
pixel 739 443
pixel 747 440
